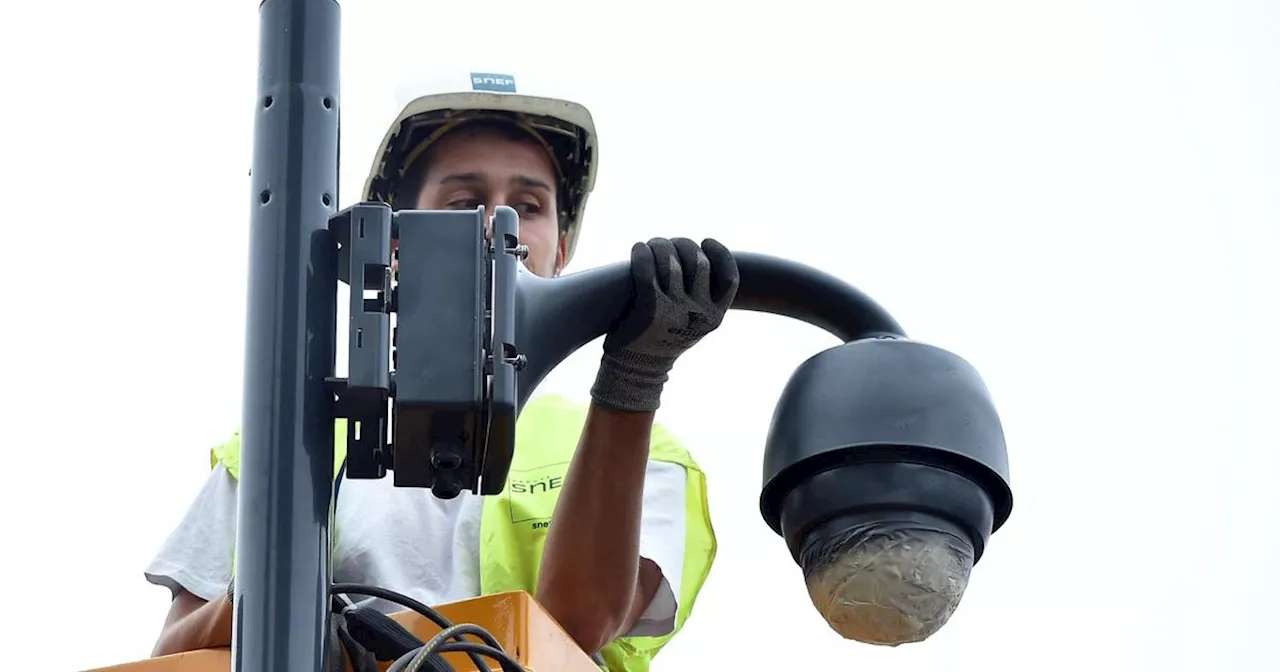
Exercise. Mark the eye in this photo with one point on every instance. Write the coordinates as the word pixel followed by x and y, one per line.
pixel 528 208
pixel 463 204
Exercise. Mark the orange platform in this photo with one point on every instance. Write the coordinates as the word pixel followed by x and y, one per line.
pixel 524 629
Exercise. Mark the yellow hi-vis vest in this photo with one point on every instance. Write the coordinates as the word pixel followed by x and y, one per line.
pixel 513 524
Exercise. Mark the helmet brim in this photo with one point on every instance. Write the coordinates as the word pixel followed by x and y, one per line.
pixel 567 128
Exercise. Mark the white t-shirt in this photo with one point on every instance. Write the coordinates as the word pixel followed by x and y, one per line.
pixel 406 540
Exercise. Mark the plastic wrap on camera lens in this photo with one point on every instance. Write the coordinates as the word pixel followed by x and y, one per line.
pixel 888 583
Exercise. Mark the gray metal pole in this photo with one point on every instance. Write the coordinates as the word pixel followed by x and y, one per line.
pixel 282 541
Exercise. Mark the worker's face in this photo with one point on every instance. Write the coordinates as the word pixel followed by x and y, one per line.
pixel 475 167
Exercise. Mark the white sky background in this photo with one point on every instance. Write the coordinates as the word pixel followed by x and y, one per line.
pixel 1078 197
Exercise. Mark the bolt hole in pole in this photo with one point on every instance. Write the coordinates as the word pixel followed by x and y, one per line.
pixel 328 103
pixel 265 196
pixel 326 200
pixel 266 102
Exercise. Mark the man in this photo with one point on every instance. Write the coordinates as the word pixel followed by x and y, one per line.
pixel 617 540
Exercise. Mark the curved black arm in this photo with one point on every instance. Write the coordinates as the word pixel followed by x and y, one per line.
pixel 783 287
pixel 555 317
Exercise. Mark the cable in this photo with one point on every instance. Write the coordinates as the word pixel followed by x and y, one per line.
pixel 438 643
pixel 507 663
pixel 446 626
pixel 403 661
pixel 392 596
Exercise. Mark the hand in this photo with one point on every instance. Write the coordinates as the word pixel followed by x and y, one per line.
pixel 682 292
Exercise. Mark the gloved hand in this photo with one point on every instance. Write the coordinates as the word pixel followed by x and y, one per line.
pixel 682 292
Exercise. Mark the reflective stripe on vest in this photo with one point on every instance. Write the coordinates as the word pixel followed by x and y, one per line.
pixel 513 524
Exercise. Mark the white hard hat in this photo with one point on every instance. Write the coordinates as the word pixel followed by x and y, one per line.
pixel 432 106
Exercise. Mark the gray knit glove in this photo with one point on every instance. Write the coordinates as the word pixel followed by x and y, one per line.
pixel 682 292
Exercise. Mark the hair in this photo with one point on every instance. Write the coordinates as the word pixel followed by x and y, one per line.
pixel 415 175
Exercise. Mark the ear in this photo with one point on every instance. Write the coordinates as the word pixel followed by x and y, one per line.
pixel 562 251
